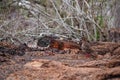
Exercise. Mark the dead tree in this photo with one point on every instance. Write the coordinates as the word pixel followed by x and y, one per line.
pixel 114 33
pixel 117 13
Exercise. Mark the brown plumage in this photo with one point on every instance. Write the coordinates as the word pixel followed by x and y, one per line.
pixel 63 44
pixel 56 43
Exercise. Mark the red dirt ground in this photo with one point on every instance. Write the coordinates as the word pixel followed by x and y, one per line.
pixel 47 65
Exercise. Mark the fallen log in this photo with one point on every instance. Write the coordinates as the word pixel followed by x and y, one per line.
pixel 8 48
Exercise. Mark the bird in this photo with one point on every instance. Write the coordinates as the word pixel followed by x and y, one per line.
pixel 43 41
pixel 56 43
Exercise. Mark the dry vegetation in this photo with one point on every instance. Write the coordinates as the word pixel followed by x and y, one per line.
pixel 59 40
pixel 26 19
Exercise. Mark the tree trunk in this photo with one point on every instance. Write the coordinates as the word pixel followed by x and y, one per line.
pixel 114 33
pixel 117 13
